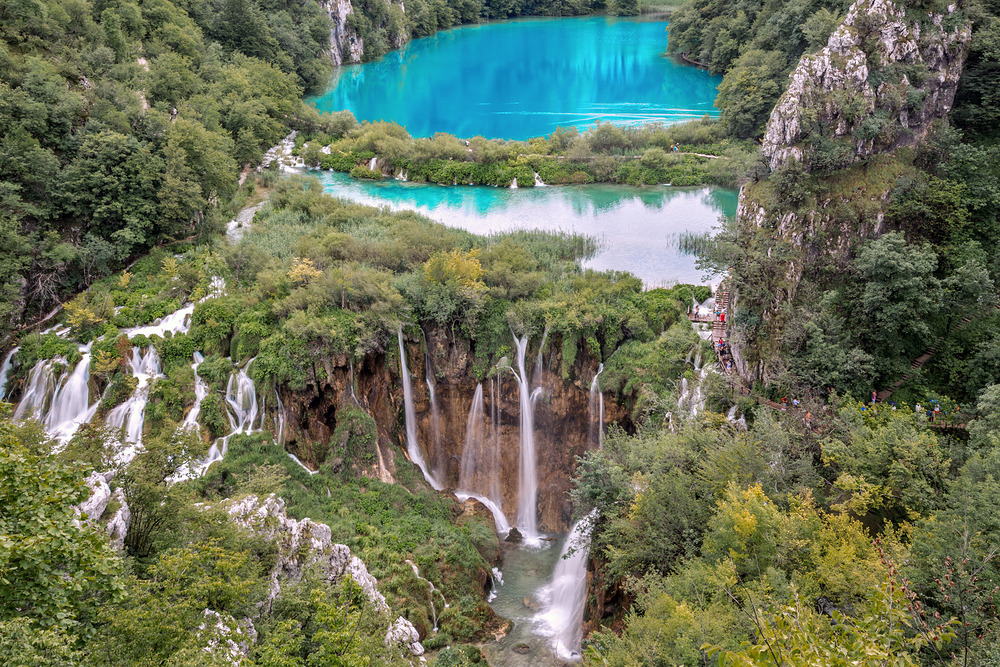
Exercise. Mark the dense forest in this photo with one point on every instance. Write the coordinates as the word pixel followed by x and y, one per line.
pixel 787 517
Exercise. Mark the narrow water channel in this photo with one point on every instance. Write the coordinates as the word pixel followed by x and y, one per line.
pixel 526 571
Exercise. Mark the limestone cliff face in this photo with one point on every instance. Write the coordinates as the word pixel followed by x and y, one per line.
pixel 886 74
pixel 883 77
pixel 345 45
pixel 562 418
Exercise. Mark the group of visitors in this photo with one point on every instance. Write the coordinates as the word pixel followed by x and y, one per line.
pixel 796 404
pixel 725 354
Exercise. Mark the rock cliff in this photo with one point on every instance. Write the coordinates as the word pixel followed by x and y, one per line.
pixel 346 46
pixel 885 74
pixel 562 417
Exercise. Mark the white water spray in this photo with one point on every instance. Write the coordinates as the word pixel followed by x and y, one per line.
pixel 527 485
pixel 564 598
pixel 597 409
pixel 200 392
pixel 412 446
pixel 480 469
pixel 8 361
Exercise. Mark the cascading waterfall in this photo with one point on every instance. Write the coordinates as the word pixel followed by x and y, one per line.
pixel 241 411
pixel 130 414
pixel 8 361
pixel 371 164
pixel 41 384
pixel 513 185
pixel 71 403
pixel 538 360
pixel 564 598
pixel 480 467
pixel 538 181
pixel 412 446
pixel 200 392
pixel 527 485
pixel 597 409
pixel 416 573
pixel 692 395
pixel 437 458
pixel 280 419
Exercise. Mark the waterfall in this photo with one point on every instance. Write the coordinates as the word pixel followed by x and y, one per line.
pixel 480 469
pixel 412 446
pixel 597 410
pixel 416 573
pixel 538 181
pixel 437 461
pixel 8 361
pixel 200 392
pixel 41 384
pixel 176 322
pixel 564 598
pixel 241 411
pixel 301 464
pixel 280 419
pixel 513 185
pixel 538 361
pixel 130 414
pixel 371 164
pixel 71 404
pixel 527 484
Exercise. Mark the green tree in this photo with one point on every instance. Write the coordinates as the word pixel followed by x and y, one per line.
pixel 52 567
pixel 112 182
pixel 750 90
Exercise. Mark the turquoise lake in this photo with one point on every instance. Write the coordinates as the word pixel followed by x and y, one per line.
pixel 524 78
pixel 638 227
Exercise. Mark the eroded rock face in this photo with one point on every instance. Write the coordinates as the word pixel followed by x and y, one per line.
pixel 883 77
pixel 96 505
pixel 304 544
pixel 345 45
pixel 301 544
pixel 562 417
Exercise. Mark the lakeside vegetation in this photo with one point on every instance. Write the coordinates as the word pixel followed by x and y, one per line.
pixel 634 155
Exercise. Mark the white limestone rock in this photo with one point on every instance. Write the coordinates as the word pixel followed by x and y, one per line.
pixel 873 38
pixel 226 638
pixel 402 633
pixel 117 525
pixel 100 495
pixel 301 544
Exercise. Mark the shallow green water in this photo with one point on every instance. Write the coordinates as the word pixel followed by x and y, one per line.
pixel 524 78
pixel 638 227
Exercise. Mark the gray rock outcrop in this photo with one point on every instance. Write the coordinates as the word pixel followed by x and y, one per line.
pixel 305 544
pixel 94 508
pixel 884 76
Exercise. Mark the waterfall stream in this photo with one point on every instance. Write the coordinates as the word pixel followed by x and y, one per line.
pixel 8 361
pixel 241 411
pixel 564 598
pixel 412 446
pixel 479 475
pixel 433 590
pixel 71 403
pixel 597 409
pixel 437 453
pixel 527 485
pixel 201 390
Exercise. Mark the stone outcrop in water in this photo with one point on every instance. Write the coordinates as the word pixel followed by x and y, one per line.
pixel 882 79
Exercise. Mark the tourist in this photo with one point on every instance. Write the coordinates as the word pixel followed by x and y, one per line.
pixel 937 411
pixel 809 418
pixel 874 396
